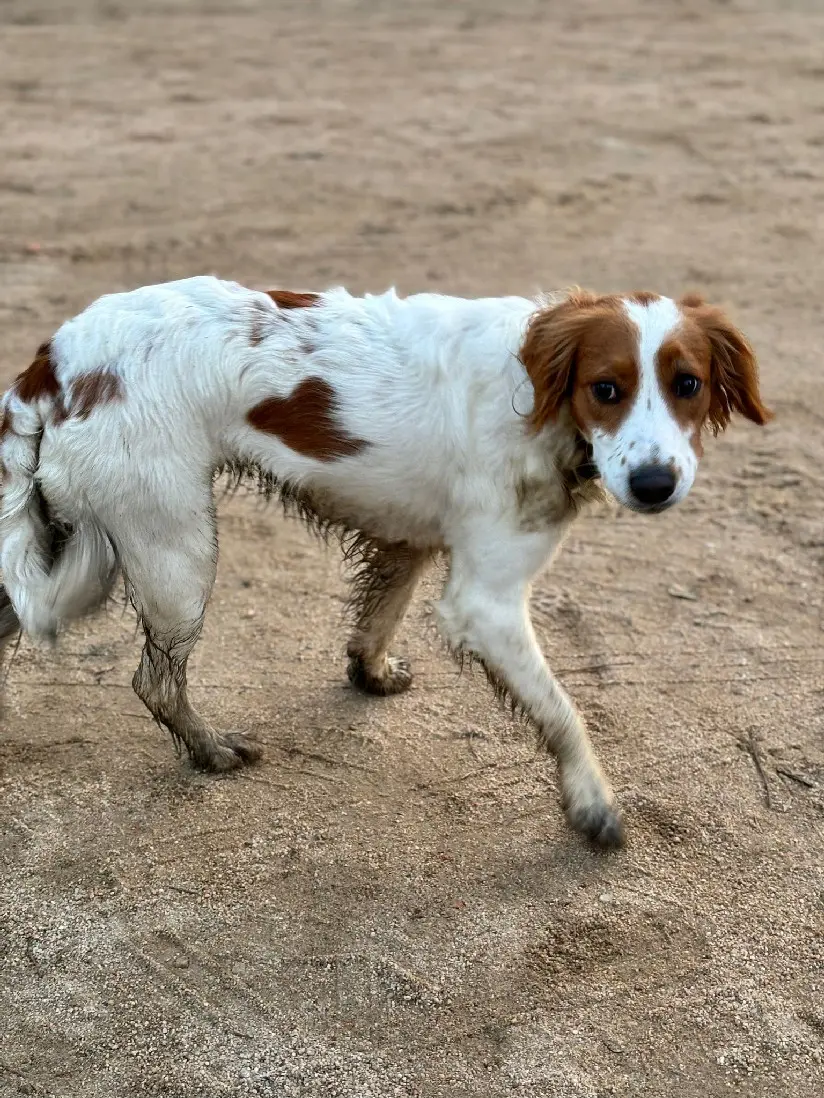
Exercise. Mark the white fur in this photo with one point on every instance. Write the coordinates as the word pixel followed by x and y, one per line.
pixel 650 434
pixel 432 383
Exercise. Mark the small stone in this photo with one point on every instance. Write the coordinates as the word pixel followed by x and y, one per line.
pixel 677 592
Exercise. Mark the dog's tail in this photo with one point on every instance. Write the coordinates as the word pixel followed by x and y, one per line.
pixel 52 572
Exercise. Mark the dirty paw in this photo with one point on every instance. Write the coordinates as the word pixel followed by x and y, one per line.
pixel 395 677
pixel 598 822
pixel 226 752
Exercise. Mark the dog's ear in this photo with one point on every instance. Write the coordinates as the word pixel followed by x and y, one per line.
pixel 549 351
pixel 691 301
pixel 733 368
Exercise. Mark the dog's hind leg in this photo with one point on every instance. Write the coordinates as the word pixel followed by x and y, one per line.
pixel 170 579
pixel 383 584
pixel 9 622
pixel 9 629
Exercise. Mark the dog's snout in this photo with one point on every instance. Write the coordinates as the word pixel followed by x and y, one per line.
pixel 652 484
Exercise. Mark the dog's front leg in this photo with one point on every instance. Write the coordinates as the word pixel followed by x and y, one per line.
pixel 484 613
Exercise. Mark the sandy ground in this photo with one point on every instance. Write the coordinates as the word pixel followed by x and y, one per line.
pixel 390 904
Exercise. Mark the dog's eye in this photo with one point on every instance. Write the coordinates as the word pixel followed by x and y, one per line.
pixel 686 386
pixel 606 392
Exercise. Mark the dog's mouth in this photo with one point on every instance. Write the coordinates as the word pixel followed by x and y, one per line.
pixel 649 508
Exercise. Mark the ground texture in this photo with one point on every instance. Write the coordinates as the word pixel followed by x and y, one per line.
pixel 390 903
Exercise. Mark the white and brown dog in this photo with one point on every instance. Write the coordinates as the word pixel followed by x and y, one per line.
pixel 412 426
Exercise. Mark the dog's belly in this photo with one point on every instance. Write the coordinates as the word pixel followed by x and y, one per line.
pixel 386 522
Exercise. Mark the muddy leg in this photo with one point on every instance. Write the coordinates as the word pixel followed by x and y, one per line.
pixel 9 636
pixel 384 582
pixel 170 585
pixel 9 622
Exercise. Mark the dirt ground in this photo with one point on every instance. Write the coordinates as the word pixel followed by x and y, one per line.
pixel 390 903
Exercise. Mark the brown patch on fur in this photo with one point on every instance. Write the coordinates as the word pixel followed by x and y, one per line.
pixel 86 391
pixel 288 299
pixel 89 391
pixel 39 380
pixel 305 421
pixel 691 301
pixel 5 424
pixel 571 346
pixel 731 362
pixel 642 297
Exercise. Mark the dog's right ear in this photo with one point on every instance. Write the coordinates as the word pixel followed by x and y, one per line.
pixel 549 351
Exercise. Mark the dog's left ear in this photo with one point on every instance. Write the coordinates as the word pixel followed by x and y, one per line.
pixel 733 368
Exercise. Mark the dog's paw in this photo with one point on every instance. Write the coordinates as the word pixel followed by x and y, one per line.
pixel 394 679
pixel 227 751
pixel 599 822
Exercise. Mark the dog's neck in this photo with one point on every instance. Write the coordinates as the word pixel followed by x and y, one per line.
pixel 587 469
pixel 581 477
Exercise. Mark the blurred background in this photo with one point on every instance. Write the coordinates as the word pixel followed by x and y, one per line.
pixel 390 904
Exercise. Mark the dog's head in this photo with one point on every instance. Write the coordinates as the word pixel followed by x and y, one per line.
pixel 643 375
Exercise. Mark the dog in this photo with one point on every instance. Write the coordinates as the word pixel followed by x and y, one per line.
pixel 412 427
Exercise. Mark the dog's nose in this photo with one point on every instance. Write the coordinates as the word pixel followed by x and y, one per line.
pixel 652 484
